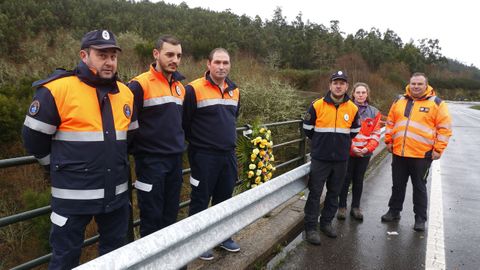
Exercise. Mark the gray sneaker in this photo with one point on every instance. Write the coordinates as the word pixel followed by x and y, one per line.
pixel 356 213
pixel 312 237
pixel 342 213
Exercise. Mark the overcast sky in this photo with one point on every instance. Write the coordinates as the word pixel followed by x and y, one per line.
pixel 454 23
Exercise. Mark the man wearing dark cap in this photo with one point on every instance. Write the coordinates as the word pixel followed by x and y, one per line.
pixel 330 123
pixel 77 128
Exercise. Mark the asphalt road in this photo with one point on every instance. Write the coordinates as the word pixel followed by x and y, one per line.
pixel 452 238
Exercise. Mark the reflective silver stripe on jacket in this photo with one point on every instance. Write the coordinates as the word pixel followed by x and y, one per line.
pixel 133 125
pixel 79 136
pixel 121 135
pixel 361 143
pixel 39 125
pixel 354 130
pixel 308 127
pixel 333 130
pixel 121 188
pixel 161 100
pixel 85 194
pixel 45 160
pixel 219 101
pixel 413 136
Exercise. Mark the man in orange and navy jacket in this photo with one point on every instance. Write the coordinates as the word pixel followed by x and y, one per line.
pixel 159 143
pixel 210 112
pixel 331 122
pixel 78 127
pixel 417 132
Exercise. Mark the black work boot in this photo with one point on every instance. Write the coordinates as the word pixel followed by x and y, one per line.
pixel 419 224
pixel 312 237
pixel 390 216
pixel 328 230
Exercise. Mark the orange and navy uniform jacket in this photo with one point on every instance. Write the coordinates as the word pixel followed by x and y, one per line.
pixel 209 118
pixel 369 135
pixel 415 127
pixel 159 105
pixel 77 127
pixel 331 128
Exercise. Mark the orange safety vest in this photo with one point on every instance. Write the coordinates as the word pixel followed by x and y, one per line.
pixel 418 126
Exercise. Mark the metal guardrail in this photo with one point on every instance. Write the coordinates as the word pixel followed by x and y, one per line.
pixel 24 216
pixel 180 243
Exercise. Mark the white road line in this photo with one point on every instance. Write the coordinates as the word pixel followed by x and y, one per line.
pixel 435 258
pixel 468 114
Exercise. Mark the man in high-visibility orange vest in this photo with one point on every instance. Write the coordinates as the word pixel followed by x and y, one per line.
pixel 78 127
pixel 210 113
pixel 330 122
pixel 159 142
pixel 417 132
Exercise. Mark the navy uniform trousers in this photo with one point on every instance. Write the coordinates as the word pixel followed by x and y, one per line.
pixel 417 169
pixel 159 194
pixel 67 240
pixel 213 175
pixel 333 173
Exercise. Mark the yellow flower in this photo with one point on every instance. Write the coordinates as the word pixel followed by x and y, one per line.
pixel 273 169
pixel 269 132
pixel 260 164
pixel 262 145
pixel 253 156
pixel 264 141
pixel 272 158
pixel 269 175
pixel 250 174
pixel 252 166
pixel 262 130
pixel 262 153
pixel 254 185
pixel 259 172
pixel 265 178
pixel 264 170
pixel 258 179
pixel 256 151
pixel 269 166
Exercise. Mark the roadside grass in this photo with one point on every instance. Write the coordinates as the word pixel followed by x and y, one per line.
pixel 476 107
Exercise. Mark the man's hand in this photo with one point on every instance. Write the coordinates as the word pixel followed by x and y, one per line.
pixel 389 147
pixel 435 155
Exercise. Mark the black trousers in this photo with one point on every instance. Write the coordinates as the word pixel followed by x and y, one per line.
pixel 417 169
pixel 357 166
pixel 333 174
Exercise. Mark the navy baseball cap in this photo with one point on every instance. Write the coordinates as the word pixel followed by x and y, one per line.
pixel 99 39
pixel 339 75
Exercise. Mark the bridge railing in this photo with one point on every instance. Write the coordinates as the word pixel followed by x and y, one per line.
pixel 182 242
pixel 299 159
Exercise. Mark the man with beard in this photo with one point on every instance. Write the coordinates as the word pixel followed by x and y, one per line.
pixel 159 144
pixel 330 123
pixel 77 128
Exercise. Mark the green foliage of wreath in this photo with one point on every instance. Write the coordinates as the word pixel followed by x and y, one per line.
pixel 255 154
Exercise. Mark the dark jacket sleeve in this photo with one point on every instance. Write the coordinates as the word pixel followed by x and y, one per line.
pixel 356 124
pixel 40 125
pixel 309 120
pixel 189 107
pixel 137 91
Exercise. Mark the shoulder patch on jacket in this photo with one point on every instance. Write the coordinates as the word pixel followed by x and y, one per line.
pixel 57 74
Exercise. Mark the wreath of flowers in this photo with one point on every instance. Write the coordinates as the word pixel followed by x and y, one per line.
pixel 255 152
